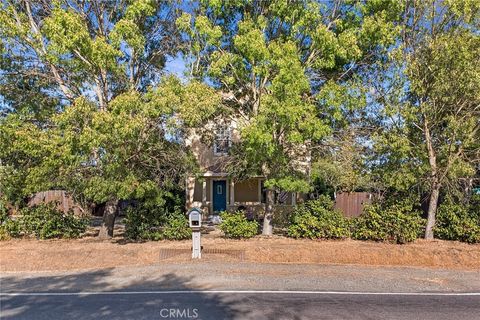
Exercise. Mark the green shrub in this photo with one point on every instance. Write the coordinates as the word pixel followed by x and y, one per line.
pixel 474 207
pixel 45 222
pixel 281 218
pixel 4 220
pixel 3 212
pixel 456 222
pixel 316 219
pixel 177 228
pixel 146 222
pixel 235 225
pixel 397 223
pixel 323 201
pixel 4 235
pixel 12 228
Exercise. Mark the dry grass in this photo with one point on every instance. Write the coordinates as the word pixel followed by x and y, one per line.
pixel 86 253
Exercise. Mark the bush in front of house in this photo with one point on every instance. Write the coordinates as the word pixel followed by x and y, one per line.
pixel 316 219
pixel 397 223
pixel 177 228
pixel 3 211
pixel 236 226
pixel 457 222
pixel 45 221
pixel 474 207
pixel 4 218
pixel 147 222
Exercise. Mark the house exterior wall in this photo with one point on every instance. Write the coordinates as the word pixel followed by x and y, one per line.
pixel 197 192
pixel 203 149
pixel 248 193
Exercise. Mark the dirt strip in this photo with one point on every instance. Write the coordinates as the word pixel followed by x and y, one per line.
pixel 89 253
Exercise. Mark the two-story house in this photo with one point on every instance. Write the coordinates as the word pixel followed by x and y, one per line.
pixel 214 191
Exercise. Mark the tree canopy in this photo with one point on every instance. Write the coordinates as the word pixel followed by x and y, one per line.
pixel 280 63
pixel 377 95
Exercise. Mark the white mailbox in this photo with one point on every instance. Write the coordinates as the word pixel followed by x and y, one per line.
pixel 195 218
pixel 195 221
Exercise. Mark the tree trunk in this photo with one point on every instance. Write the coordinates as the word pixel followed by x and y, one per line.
pixel 435 192
pixel 109 215
pixel 267 220
pixel 432 210
pixel 467 192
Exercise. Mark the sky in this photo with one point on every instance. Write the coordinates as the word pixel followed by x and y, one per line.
pixel 176 66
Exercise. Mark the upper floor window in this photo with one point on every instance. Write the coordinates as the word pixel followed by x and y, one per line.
pixel 223 141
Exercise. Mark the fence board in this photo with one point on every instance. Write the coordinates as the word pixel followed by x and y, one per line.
pixel 351 204
pixel 65 202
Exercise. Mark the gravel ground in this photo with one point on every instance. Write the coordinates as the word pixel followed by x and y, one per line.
pixel 246 276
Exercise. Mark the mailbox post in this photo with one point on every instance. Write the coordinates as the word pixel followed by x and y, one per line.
pixel 195 221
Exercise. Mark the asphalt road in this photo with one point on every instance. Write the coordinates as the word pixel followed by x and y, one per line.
pixel 242 291
pixel 216 305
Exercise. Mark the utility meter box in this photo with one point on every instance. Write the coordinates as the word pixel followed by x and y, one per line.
pixel 195 218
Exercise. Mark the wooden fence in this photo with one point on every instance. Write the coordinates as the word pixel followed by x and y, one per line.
pixel 351 204
pixel 65 201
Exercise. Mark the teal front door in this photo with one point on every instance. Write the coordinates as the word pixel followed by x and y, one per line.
pixel 219 195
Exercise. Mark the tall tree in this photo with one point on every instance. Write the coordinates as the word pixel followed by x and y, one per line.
pixel 271 59
pixel 432 124
pixel 58 50
pixel 127 152
pixel 69 67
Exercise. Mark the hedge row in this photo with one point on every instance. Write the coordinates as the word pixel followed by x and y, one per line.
pixel 42 221
pixel 398 223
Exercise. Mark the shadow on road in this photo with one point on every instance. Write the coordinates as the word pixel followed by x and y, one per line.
pixel 64 302
pixel 117 294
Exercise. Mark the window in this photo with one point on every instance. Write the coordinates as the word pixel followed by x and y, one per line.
pixel 222 140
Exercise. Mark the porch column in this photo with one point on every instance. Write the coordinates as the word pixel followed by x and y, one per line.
pixel 259 191
pixel 189 189
pixel 204 192
pixel 232 193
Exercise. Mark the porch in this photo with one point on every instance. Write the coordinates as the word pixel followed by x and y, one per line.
pixel 214 193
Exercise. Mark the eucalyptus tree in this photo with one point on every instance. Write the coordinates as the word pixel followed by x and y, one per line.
pixel 272 60
pixel 64 49
pixel 128 152
pixel 75 78
pixel 432 102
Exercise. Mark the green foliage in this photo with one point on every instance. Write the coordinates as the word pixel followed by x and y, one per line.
pixel 121 46
pixel 146 222
pixel 323 201
pixel 455 222
pixel 44 221
pixel 474 206
pixel 11 228
pixel 4 235
pixel 429 131
pixel 121 153
pixel 316 219
pixel 270 57
pixel 341 166
pixel 3 211
pixel 8 228
pixel 235 225
pixel 397 223
pixel 177 228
